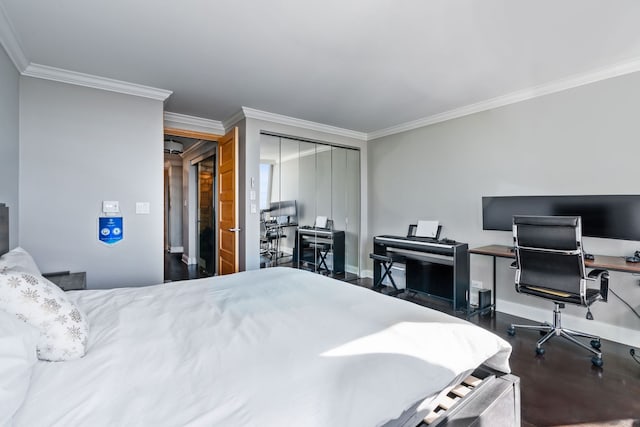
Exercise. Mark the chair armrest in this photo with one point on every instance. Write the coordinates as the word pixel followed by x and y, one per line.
pixel 604 281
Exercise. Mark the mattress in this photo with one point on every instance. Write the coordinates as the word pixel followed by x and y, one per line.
pixel 269 347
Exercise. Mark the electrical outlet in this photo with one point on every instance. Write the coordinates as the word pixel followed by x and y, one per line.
pixel 476 284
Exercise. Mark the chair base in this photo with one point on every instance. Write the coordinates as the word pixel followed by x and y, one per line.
pixel 556 329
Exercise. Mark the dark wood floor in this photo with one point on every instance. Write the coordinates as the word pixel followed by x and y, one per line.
pixel 175 269
pixel 560 388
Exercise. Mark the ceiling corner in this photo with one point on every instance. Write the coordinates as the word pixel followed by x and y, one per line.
pixel 10 42
pixel 183 121
pixel 234 119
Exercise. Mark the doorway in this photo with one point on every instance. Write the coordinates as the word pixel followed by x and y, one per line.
pixel 189 167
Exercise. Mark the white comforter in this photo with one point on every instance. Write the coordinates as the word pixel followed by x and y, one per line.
pixel 275 347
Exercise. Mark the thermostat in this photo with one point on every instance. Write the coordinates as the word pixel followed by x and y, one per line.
pixel 110 206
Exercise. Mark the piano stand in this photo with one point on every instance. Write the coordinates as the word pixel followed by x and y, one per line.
pixel 386 261
pixel 322 250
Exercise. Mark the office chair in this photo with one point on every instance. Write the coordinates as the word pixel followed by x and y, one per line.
pixel 550 264
pixel 270 235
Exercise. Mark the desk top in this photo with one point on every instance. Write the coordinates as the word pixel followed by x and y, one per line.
pixel 615 263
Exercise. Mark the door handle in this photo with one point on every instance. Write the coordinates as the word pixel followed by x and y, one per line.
pixel 235 230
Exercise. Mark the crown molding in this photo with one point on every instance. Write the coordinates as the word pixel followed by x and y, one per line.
pixel 576 80
pixel 305 124
pixel 233 120
pixel 10 42
pixel 204 125
pixel 96 82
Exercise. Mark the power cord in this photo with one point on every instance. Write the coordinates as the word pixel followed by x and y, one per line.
pixel 632 351
pixel 625 303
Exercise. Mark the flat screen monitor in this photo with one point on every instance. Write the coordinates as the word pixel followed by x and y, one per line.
pixel 609 216
pixel 284 212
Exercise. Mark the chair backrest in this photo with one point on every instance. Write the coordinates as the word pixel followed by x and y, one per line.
pixel 549 253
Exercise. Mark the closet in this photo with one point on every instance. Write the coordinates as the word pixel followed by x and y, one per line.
pixel 301 182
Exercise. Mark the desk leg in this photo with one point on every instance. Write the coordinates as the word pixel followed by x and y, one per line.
pixel 493 297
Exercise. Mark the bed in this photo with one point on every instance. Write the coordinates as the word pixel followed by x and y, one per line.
pixel 269 347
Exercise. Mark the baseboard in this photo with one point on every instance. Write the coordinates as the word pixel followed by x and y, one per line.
pixel 188 261
pixel 366 273
pixel 607 331
pixel 176 249
pixel 353 269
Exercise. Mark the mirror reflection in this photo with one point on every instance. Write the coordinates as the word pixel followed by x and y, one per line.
pixel 309 206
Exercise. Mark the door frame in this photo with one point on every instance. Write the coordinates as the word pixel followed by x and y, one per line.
pixel 205 136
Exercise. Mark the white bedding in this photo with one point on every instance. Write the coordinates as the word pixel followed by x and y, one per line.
pixel 274 347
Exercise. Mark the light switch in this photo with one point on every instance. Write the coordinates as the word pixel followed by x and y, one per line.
pixel 110 206
pixel 252 195
pixel 142 208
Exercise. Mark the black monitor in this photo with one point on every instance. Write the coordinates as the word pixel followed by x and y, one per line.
pixel 608 216
pixel 284 212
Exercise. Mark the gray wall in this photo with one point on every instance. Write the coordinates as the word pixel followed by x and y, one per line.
pixel 9 83
pixel 78 147
pixel 580 141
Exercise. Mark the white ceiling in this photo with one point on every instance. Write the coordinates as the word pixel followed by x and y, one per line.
pixel 362 65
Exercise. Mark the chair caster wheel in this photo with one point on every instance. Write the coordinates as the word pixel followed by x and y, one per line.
pixel 597 361
pixel 511 331
pixel 596 344
pixel 539 351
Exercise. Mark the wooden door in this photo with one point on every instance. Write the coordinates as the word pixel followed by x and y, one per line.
pixel 228 203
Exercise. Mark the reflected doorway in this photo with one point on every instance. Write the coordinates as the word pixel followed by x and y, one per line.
pixel 206 215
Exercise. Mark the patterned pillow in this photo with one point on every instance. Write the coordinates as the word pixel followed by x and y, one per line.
pixel 64 329
pixel 19 259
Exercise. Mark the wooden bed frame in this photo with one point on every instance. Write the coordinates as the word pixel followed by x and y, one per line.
pixel 486 397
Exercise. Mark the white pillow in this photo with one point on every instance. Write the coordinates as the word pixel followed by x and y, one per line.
pixel 19 259
pixel 18 342
pixel 64 329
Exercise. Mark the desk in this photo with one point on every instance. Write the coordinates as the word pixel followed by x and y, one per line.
pixel 607 262
pixel 271 235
